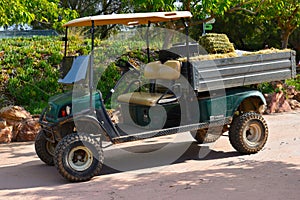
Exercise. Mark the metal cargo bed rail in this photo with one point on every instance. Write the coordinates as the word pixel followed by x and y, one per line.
pixel 245 70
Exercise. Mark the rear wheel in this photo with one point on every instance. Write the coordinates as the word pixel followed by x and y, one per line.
pixel 79 157
pixel 248 133
pixel 44 148
pixel 203 136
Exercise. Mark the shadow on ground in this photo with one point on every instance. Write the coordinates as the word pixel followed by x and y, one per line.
pixel 36 174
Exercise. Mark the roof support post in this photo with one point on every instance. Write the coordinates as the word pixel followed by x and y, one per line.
pixel 148 43
pixel 152 82
pixel 190 67
pixel 186 26
pixel 66 41
pixel 91 84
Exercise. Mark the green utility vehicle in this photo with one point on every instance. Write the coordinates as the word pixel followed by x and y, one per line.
pixel 182 93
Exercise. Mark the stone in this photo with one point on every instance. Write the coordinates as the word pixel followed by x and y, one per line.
pixel 297 97
pixel 278 103
pixel 294 103
pixel 28 130
pixel 14 113
pixel 2 124
pixel 16 129
pixel 17 125
pixel 6 134
pixel 285 107
pixel 291 92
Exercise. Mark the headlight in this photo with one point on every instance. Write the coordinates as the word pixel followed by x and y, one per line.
pixel 68 110
pixel 65 111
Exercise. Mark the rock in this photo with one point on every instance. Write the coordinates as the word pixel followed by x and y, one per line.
pixel 297 97
pixel 285 107
pixel 291 92
pixel 268 98
pixel 28 130
pixel 278 103
pixel 14 113
pixel 6 134
pixel 2 124
pixel 294 103
pixel 16 129
pixel 17 125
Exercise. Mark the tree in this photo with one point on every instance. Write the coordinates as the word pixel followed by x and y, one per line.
pixel 150 6
pixel 248 33
pixel 14 12
pixel 287 15
pixel 205 10
pixel 92 7
pixel 285 12
pixel 39 13
pixel 295 42
pixel 95 7
pixel 83 7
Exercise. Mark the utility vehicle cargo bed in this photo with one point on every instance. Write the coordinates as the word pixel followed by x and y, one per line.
pixel 244 70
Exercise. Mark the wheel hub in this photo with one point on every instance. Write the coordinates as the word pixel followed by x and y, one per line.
pixel 253 134
pixel 50 148
pixel 80 158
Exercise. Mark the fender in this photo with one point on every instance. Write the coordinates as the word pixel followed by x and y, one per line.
pixel 92 123
pixel 239 97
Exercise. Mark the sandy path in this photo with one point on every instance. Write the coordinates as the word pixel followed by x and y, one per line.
pixel 273 173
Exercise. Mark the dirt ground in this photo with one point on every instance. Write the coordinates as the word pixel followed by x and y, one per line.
pixel 135 171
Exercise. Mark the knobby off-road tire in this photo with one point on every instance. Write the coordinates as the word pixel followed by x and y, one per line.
pixel 248 133
pixel 79 157
pixel 44 149
pixel 202 136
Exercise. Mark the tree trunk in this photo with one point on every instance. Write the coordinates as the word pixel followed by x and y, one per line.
pixel 187 5
pixel 285 38
pixel 168 39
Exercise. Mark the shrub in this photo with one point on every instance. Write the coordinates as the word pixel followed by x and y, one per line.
pixel 29 67
pixel 294 82
pixel 29 70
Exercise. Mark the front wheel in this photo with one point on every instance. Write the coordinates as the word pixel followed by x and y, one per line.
pixel 79 157
pixel 44 148
pixel 248 133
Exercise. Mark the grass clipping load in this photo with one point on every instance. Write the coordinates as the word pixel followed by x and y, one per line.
pixel 266 51
pixel 210 57
pixel 215 43
pixel 234 54
pixel 218 46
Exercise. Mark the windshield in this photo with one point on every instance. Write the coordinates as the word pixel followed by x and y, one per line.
pixel 125 53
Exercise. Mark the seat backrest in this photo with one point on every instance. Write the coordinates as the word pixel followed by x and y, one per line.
pixel 170 70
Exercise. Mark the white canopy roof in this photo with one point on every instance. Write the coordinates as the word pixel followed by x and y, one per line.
pixel 129 19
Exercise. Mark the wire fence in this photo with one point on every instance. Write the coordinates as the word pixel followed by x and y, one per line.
pixel 27 33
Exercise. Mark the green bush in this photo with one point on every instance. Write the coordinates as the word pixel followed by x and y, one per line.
pixel 265 88
pixel 294 82
pixel 29 67
pixel 30 70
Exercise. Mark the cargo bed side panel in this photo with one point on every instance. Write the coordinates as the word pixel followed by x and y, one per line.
pixel 240 71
